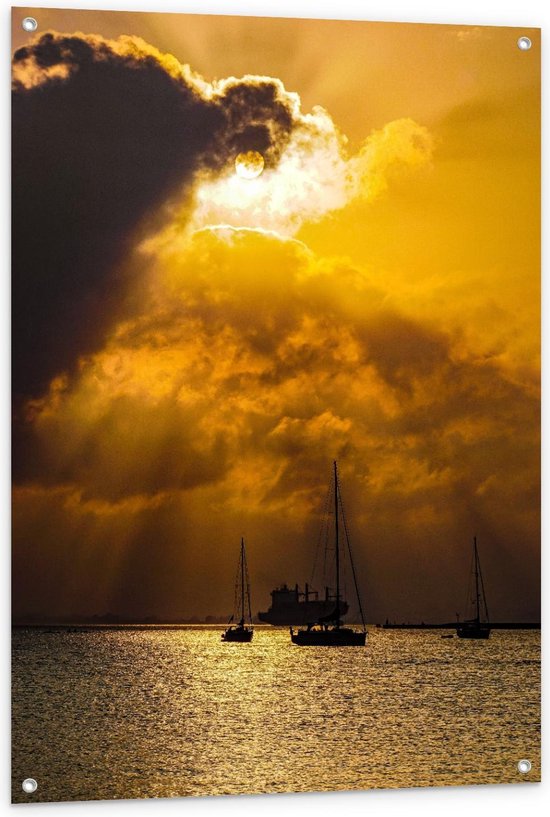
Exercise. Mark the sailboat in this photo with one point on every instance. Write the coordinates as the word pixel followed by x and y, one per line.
pixel 241 632
pixel 476 628
pixel 329 631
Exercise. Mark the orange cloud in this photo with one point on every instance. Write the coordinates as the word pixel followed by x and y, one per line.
pixel 251 366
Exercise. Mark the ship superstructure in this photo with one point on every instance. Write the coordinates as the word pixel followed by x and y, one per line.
pixel 291 605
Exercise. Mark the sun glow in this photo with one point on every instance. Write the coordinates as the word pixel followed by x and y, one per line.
pixel 249 165
pixel 314 176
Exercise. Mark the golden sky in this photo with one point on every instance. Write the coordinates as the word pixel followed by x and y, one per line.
pixel 373 297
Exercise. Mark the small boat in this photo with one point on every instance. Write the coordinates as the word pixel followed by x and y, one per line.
pixel 241 632
pixel 328 630
pixel 447 636
pixel 476 627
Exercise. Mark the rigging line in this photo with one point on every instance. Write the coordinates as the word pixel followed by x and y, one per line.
pixel 352 563
pixel 327 528
pixel 319 538
pixel 469 592
pixel 236 597
pixel 345 558
pixel 483 589
pixel 247 579
pixel 242 580
pixel 326 548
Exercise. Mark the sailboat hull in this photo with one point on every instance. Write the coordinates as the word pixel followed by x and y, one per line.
pixel 476 632
pixel 341 637
pixel 238 635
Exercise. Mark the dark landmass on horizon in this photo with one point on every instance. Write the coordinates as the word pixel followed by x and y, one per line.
pixel 507 625
pixel 111 620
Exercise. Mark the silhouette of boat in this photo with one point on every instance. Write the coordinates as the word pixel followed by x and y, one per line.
pixel 290 605
pixel 241 632
pixel 328 630
pixel 475 627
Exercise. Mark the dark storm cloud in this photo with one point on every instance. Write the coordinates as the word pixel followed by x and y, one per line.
pixel 104 133
pixel 260 116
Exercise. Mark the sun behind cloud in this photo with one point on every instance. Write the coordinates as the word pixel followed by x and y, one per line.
pixel 314 176
pixel 249 165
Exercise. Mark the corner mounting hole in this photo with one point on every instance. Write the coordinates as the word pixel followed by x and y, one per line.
pixel 29 785
pixel 29 24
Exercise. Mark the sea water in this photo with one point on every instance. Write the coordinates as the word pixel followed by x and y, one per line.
pixel 150 712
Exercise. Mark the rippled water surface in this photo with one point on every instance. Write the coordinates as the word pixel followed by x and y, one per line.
pixel 121 713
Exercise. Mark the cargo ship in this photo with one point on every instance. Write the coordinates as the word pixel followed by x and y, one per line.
pixel 294 606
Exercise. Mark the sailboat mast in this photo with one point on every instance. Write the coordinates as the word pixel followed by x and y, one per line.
pixel 476 566
pixel 337 542
pixel 242 580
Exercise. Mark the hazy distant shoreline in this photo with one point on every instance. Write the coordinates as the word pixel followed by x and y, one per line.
pixel 112 624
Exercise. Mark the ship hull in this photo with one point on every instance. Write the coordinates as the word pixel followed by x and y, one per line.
pixel 300 613
pixel 479 632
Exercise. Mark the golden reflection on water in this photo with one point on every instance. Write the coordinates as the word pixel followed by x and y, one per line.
pixel 128 713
